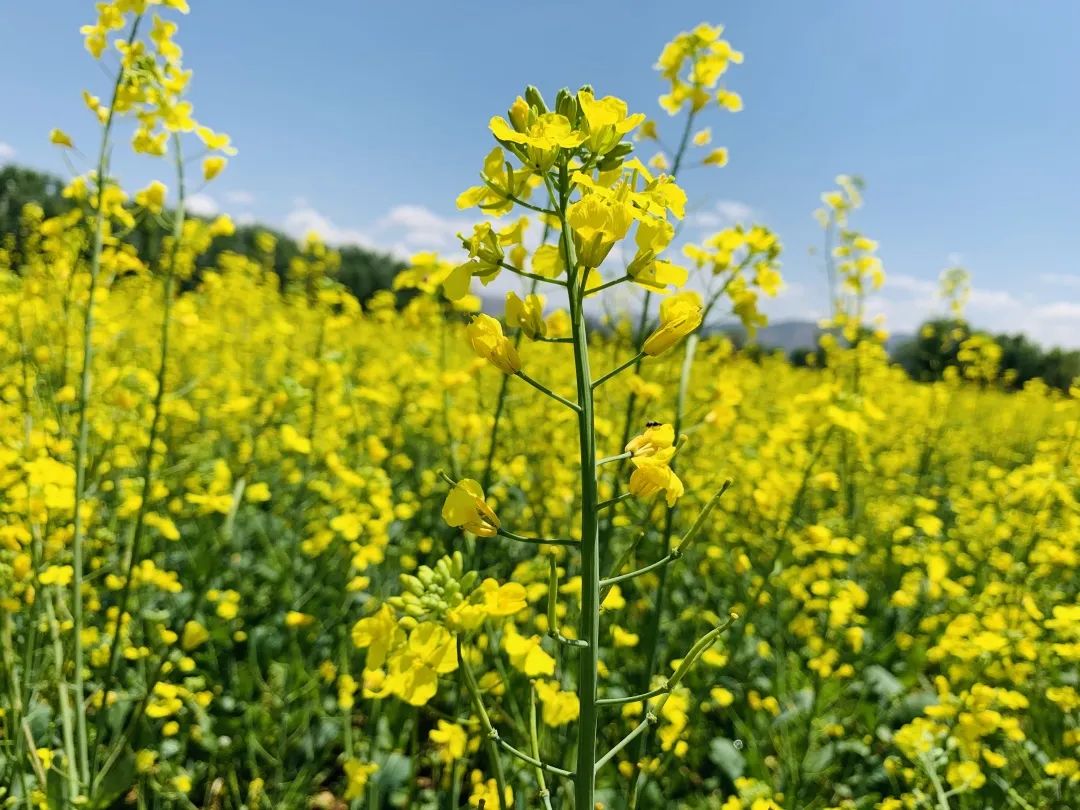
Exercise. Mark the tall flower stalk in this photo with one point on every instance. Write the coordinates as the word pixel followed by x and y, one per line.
pixel 99 204
pixel 595 194
pixel 149 86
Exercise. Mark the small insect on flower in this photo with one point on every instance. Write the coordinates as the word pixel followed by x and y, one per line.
pixel 655 446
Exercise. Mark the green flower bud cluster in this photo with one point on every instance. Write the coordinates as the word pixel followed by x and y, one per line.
pixel 433 592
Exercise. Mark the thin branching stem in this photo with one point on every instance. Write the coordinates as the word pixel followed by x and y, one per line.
pixel 83 440
pixel 610 459
pixel 552 612
pixel 633 361
pixel 687 663
pixel 678 551
pixel 612 501
pixel 542 541
pixel 639 729
pixel 545 390
pixel 606 284
pixel 533 276
pixel 485 721
pixel 134 546
pixel 534 740
pixel 492 734
pixel 665 560
pixel 619 701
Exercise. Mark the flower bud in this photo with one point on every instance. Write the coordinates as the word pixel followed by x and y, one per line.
pixel 527 315
pixel 489 342
pixel 535 99
pixel 679 316
pixel 519 114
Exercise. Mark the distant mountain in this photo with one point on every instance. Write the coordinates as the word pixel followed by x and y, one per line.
pixel 785 336
pixel 791 335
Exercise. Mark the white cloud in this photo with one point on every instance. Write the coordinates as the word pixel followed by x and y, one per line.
pixel 1062 310
pixel 245 218
pixel 304 219
pixel 202 205
pixel 7 152
pixel 420 228
pixel 723 214
pixel 907 301
pixel 911 284
pixel 1061 280
pixel 239 197
pixel 402 231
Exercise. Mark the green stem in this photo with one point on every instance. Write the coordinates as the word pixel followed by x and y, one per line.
pixel 610 459
pixel 7 658
pixel 485 721
pixel 652 637
pixel 540 541
pixel 82 444
pixel 534 740
pixel 669 522
pixel 665 560
pixel 513 198
pixel 606 284
pixel 545 390
pixel 589 628
pixel 552 613
pixel 612 501
pixel 533 276
pixel 639 729
pixel 687 663
pixel 66 716
pixel 633 361
pixel 132 552
pixel 619 701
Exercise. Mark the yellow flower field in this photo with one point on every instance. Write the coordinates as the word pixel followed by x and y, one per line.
pixel 264 546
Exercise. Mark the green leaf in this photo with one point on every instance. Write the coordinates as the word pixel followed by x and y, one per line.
pixel 883 682
pixel 818 759
pixel 727 757
pixel 393 772
pixel 115 783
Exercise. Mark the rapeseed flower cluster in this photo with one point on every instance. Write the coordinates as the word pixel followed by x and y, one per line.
pixel 222 516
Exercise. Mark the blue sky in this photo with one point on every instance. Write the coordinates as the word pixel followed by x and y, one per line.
pixel 365 120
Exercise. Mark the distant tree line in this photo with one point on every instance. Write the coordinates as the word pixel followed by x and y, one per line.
pixel 935 348
pixel 362 271
pixel 938 344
